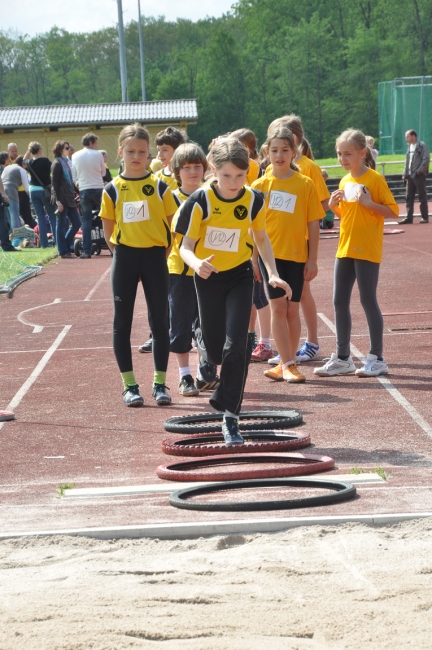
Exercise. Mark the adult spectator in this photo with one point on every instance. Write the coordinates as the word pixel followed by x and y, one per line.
pixel 24 196
pixel 13 152
pixel 108 176
pixel 415 173
pixel 13 177
pixel 88 172
pixel 64 193
pixel 4 160
pixel 70 154
pixel 4 225
pixel 39 168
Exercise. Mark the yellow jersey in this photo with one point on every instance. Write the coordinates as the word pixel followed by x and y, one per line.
pixel 176 265
pixel 290 205
pixel 361 229
pixel 140 208
pixel 169 179
pixel 254 172
pixel 310 169
pixel 220 226
pixel 155 165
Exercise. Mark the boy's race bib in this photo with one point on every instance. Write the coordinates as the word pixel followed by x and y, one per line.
pixel 135 211
pixel 222 239
pixel 282 201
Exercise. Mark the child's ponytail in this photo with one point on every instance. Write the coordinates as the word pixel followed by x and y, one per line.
pixel 370 160
pixel 358 139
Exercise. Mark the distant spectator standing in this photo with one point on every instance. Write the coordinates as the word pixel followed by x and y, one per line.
pixel 4 226
pixel 23 196
pixel 88 172
pixel 370 141
pixel 70 154
pixel 39 168
pixel 64 192
pixel 415 173
pixel 13 178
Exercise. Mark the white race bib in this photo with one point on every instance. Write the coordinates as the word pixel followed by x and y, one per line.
pixel 282 201
pixel 135 211
pixel 350 191
pixel 222 239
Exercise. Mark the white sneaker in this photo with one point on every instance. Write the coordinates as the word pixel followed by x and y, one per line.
pixel 307 352
pixel 274 361
pixel 372 367
pixel 335 366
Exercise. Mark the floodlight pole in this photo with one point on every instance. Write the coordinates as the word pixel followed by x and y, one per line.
pixel 143 89
pixel 123 72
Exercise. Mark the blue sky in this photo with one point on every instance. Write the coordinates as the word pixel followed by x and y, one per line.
pixel 34 17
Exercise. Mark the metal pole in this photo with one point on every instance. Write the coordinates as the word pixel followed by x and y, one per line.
pixel 143 89
pixel 123 72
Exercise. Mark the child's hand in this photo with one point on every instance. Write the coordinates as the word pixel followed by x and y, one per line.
pixel 364 197
pixel 310 270
pixel 336 197
pixel 275 281
pixel 204 268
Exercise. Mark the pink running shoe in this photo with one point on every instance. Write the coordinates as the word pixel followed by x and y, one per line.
pixel 262 352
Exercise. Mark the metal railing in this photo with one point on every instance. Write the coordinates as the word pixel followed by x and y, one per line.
pixel 378 162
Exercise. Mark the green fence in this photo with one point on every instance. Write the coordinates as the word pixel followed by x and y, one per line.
pixel 404 104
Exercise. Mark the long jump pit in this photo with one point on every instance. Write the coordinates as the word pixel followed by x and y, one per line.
pixel 93 554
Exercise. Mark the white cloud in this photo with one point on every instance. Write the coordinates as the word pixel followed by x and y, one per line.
pixel 31 17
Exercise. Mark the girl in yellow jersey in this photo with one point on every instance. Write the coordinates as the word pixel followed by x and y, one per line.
pixel 136 210
pixel 362 202
pixel 306 165
pixel 292 218
pixel 215 223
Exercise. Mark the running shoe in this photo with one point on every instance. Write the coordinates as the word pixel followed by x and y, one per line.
pixel 147 346
pixel 253 339
pixel 308 352
pixel 132 397
pixel 201 384
pixel 335 366
pixel 262 352
pixel 372 367
pixel 275 373
pixel 274 360
pixel 187 387
pixel 293 375
pixel 207 370
pixel 6 415
pixel 230 432
pixel 160 394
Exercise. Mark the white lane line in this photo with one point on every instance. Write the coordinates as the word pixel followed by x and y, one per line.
pixel 384 381
pixel 36 372
pixel 98 283
pixel 37 329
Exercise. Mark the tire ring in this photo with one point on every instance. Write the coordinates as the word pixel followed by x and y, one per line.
pixel 261 441
pixel 212 422
pixel 341 492
pixel 309 464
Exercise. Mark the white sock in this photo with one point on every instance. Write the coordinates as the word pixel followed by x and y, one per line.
pixel 184 371
pixel 199 375
pixel 264 341
pixel 288 363
pixel 227 414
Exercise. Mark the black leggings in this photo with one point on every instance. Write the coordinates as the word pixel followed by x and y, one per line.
pixel 130 265
pixel 225 303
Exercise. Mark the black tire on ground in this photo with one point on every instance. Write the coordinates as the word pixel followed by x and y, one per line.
pixel 339 492
pixel 212 422
pixel 77 247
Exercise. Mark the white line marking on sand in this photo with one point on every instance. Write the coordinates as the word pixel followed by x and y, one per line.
pixel 37 329
pixel 386 383
pixel 99 282
pixel 36 372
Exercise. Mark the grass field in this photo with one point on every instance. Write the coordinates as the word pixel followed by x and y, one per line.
pixel 11 264
pixel 388 169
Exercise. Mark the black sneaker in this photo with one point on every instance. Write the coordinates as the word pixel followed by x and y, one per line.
pixel 253 340
pixel 201 384
pixel 132 397
pixel 207 370
pixel 231 433
pixel 160 394
pixel 147 346
pixel 187 387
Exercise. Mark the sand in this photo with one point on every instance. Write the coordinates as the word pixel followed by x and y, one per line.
pixel 348 586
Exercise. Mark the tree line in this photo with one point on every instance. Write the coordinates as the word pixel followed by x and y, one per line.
pixel 321 59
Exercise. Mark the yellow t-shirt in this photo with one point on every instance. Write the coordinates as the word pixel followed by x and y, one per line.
pixel 254 172
pixel 310 169
pixel 156 165
pixel 139 207
pixel 220 227
pixel 175 262
pixel 290 205
pixel 169 179
pixel 361 229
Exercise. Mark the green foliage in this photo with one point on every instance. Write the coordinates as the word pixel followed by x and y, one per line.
pixel 321 59
pixel 63 487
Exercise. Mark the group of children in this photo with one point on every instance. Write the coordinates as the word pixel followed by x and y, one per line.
pixel 206 234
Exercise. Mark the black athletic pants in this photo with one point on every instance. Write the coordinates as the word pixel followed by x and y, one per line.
pixel 417 184
pixel 225 303
pixel 130 265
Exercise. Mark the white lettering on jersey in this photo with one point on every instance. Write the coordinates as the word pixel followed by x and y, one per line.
pixel 135 211
pixel 222 239
pixel 282 201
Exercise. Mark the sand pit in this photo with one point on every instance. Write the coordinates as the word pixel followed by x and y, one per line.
pixel 348 586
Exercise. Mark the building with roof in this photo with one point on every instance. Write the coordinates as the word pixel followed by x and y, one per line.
pixel 46 124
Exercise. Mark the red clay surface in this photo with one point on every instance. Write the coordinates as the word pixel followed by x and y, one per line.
pixel 72 427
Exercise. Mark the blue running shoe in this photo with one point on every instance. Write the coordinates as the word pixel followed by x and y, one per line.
pixel 231 433
pixel 308 352
pixel 132 397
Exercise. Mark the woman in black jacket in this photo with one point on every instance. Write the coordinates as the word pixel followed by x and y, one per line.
pixel 39 168
pixel 64 193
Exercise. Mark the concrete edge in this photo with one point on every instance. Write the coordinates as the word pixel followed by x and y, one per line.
pixel 204 529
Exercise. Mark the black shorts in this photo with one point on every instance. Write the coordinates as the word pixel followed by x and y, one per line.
pixel 291 272
pixel 259 297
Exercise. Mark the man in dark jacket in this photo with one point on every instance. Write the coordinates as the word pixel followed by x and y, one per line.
pixel 415 173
